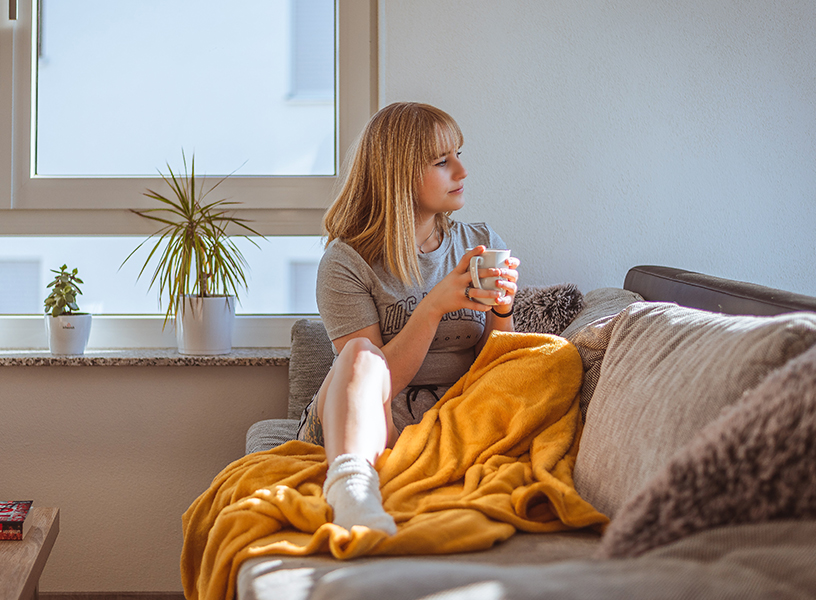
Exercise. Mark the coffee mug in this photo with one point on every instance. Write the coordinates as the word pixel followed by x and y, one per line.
pixel 492 258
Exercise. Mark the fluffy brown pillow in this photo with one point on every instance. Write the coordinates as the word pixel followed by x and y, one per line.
pixel 755 463
pixel 546 309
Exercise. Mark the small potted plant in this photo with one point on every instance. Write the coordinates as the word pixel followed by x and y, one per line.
pixel 67 329
pixel 199 267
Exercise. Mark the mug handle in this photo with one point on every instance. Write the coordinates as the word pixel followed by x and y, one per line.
pixel 474 271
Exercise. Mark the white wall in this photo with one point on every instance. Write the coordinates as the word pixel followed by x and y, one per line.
pixel 600 135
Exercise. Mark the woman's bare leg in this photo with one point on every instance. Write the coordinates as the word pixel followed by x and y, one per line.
pixel 354 409
pixel 354 403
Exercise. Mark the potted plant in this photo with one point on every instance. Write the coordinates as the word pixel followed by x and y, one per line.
pixel 67 329
pixel 198 266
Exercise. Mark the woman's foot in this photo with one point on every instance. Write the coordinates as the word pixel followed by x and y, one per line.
pixel 352 488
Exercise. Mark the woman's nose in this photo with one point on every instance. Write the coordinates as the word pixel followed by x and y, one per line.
pixel 461 172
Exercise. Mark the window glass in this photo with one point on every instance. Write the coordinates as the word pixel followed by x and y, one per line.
pixel 247 86
pixel 281 274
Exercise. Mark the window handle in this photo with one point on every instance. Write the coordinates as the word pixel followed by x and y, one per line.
pixel 12 10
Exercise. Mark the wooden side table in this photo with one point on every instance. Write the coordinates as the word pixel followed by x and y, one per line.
pixel 22 561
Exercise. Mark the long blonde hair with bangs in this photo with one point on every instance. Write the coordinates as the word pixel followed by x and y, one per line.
pixel 374 212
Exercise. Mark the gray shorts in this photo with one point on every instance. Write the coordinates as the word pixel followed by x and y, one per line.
pixel 310 429
pixel 407 408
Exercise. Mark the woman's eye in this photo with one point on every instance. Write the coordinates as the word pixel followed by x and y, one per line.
pixel 441 163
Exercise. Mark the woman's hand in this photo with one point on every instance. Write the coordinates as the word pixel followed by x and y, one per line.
pixel 451 294
pixel 508 281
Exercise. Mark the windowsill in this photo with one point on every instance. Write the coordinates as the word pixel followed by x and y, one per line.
pixel 21 334
pixel 146 357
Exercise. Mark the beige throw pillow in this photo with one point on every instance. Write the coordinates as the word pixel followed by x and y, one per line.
pixel 589 334
pixel 667 372
pixel 753 464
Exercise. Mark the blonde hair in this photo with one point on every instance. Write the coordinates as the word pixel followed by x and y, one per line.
pixel 374 212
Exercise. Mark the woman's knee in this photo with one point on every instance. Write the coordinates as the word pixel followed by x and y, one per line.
pixel 363 358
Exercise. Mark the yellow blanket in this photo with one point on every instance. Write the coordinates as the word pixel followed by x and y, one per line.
pixel 495 455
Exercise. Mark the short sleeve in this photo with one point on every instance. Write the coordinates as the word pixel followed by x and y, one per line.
pixel 495 239
pixel 345 296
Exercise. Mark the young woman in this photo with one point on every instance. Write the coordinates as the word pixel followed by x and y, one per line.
pixel 394 293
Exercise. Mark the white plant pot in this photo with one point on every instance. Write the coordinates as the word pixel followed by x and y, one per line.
pixel 204 325
pixel 68 334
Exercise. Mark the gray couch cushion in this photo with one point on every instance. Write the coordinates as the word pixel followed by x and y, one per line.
pixel 666 373
pixel 272 577
pixel 603 302
pixel 310 361
pixel 589 335
pixel 270 433
pixel 755 463
pixel 776 560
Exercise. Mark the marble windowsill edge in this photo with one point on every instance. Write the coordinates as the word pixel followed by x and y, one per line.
pixel 146 357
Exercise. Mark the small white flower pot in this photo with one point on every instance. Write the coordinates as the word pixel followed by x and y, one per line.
pixel 68 334
pixel 204 325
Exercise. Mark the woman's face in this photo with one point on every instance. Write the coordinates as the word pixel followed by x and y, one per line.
pixel 442 187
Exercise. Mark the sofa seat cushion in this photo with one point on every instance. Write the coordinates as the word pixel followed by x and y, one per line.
pixel 775 560
pixel 668 371
pixel 270 433
pixel 269 577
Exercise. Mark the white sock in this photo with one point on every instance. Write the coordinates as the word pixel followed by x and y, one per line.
pixel 352 489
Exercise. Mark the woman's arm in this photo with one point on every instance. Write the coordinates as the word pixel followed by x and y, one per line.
pixel 406 351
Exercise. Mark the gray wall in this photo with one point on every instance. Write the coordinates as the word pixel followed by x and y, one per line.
pixel 600 135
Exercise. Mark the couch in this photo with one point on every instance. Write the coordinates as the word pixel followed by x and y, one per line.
pixel 699 442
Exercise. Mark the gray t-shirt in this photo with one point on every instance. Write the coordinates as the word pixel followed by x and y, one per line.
pixel 352 295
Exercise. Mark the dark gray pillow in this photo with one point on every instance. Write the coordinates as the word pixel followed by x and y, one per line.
pixel 546 309
pixel 755 463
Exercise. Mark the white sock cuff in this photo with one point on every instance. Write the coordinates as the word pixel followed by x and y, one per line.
pixel 347 465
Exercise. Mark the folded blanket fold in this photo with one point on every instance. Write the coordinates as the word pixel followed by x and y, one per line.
pixel 495 455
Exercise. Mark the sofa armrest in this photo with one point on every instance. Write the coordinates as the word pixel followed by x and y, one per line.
pixel 265 435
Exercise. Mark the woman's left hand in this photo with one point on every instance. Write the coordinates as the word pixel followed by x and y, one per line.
pixel 508 281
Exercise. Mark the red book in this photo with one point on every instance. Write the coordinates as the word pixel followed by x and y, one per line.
pixel 12 517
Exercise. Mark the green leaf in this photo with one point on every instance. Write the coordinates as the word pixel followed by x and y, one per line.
pixel 192 252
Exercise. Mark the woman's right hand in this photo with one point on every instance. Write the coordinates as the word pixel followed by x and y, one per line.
pixel 449 294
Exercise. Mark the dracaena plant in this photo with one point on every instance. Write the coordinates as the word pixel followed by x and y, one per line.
pixel 64 291
pixel 194 254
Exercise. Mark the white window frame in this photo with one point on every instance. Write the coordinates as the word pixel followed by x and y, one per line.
pixel 79 206
pixel 35 205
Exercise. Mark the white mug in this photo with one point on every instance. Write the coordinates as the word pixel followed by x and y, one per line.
pixel 492 258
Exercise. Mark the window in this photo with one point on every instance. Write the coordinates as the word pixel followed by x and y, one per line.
pixel 90 110
pixel 119 92
pixel 97 96
pixel 21 289
pixel 312 74
pixel 285 285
